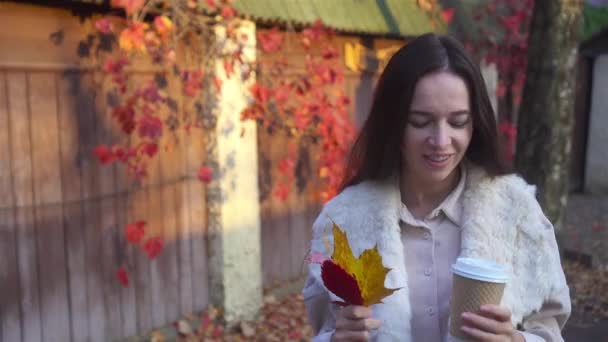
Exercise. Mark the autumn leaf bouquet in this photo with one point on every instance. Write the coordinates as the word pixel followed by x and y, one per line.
pixel 357 281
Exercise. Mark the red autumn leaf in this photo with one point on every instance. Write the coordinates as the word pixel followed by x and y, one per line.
pixel 130 6
pixel 329 52
pixel 260 93
pixel 217 332
pixel 150 127
pixel 302 118
pixel 511 22
pixel 150 149
pixel 210 3
pixel 282 192
pixel 104 154
pixel 132 37
pixel 447 15
pixel 228 67
pixel 163 25
pixel 501 90
pixel 271 41
pixel 205 174
pixel 217 82
pixel 134 232
pixel 104 25
pixel 150 93
pixel 286 166
pixel 122 276
pixel 341 283
pixel 153 246
pixel 281 93
pixel 227 12
pixel 314 32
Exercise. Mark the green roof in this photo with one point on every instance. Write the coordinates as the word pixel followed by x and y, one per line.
pixel 383 17
pixel 594 20
pixel 376 17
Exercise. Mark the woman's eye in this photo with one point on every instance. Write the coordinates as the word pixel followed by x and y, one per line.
pixel 460 124
pixel 419 124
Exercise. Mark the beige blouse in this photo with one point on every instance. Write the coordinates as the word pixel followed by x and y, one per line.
pixel 431 246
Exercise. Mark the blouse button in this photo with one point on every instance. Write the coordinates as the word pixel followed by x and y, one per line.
pixel 427 272
pixel 431 311
pixel 427 236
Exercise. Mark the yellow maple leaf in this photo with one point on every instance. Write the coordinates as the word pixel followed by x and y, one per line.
pixel 367 270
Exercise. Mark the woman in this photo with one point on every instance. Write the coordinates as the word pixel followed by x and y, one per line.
pixel 427 185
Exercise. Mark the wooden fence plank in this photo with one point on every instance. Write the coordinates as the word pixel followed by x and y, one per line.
pixel 155 225
pixel 91 205
pixel 169 169
pixel 127 257
pixel 197 204
pixel 10 316
pixel 24 215
pixel 70 98
pixel 49 209
pixel 299 223
pixel 142 272
pixel 185 260
pixel 108 226
pixel 127 253
pixel 140 210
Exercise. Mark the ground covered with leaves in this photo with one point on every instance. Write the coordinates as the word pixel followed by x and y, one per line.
pixel 285 319
pixel 281 320
pixel 588 292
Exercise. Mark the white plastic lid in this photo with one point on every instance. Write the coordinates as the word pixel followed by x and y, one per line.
pixel 480 269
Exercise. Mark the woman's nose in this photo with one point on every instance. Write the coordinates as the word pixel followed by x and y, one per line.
pixel 439 137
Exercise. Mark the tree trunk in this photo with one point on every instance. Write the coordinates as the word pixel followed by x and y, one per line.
pixel 546 115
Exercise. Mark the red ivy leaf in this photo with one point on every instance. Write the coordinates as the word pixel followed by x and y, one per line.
pixel 210 3
pixel 228 12
pixel 205 174
pixel 122 276
pixel 150 126
pixel 153 247
pixel 104 154
pixel 447 15
pixel 282 192
pixel 286 166
pixel 134 232
pixel 104 25
pixel 218 84
pixel 271 41
pixel 228 67
pixel 150 149
pixel 329 52
pixel 260 93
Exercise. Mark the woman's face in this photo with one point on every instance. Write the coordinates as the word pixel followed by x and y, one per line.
pixel 438 130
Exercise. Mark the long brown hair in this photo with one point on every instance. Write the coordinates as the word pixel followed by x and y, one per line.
pixel 376 152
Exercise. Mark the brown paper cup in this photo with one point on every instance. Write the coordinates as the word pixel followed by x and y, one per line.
pixel 475 282
pixel 468 295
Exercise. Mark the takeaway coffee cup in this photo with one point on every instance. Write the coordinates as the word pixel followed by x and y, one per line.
pixel 476 282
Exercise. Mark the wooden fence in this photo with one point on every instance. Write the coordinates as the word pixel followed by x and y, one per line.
pixel 62 214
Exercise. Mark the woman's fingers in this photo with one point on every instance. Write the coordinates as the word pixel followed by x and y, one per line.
pixel 357 312
pixel 499 313
pixel 485 324
pixel 350 336
pixel 358 324
pixel 478 334
pixel 354 324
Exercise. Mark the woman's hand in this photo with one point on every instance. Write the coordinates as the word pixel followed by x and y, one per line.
pixel 492 324
pixel 353 323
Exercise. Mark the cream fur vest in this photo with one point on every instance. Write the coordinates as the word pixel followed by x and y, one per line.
pixel 502 221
